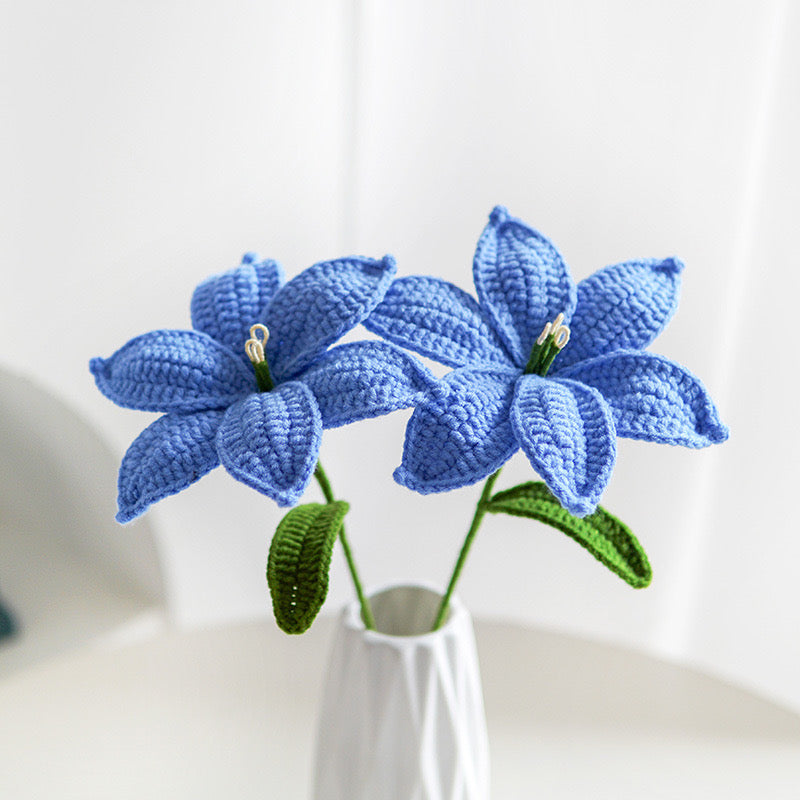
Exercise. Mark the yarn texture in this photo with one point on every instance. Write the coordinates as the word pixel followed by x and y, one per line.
pixel 608 539
pixel 603 385
pixel 299 562
pixel 204 383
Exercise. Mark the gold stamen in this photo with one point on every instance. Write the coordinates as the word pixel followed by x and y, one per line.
pixel 254 346
pixel 543 335
pixel 551 341
pixel 559 332
pixel 561 336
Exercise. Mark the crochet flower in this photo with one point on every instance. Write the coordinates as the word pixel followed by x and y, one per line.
pixel 514 386
pixel 254 384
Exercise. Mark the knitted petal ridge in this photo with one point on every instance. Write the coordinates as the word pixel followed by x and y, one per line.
pixel 170 454
pixel 270 441
pixel 566 430
pixel 622 307
pixel 318 306
pixel 461 433
pixel 439 320
pixel 365 379
pixel 653 398
pixel 226 305
pixel 172 371
pixel 521 280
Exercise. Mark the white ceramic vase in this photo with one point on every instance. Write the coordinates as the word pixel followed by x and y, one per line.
pixel 402 711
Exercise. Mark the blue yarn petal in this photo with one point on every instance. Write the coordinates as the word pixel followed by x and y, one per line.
pixel 270 441
pixel 226 305
pixel 522 282
pixel 438 320
pixel 170 454
pixel 622 307
pixel 318 306
pixel 173 371
pixel 460 433
pixel 566 430
pixel 653 398
pixel 365 379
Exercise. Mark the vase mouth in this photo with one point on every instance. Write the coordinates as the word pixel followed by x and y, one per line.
pixel 403 611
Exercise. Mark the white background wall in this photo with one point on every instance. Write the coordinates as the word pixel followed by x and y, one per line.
pixel 146 146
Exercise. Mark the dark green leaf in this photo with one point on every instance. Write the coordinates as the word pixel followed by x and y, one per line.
pixel 299 562
pixel 608 539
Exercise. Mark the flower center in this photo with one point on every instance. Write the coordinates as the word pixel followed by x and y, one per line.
pixel 551 341
pixel 254 347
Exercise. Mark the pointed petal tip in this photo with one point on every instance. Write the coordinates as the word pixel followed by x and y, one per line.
pixel 710 429
pixel 718 433
pixel 400 476
pixel 578 506
pixel 128 514
pixel 387 265
pixel 384 267
pixel 581 507
pixel 671 265
pixel 499 215
pixel 407 479
pixel 286 499
pixel 101 370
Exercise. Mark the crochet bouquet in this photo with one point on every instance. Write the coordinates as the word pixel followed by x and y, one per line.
pixel 539 363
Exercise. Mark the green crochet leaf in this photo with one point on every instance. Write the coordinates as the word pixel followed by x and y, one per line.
pixel 608 539
pixel 299 562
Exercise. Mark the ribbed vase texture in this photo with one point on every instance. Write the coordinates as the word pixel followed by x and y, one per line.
pixel 402 713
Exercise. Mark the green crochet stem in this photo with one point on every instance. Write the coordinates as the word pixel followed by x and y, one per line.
pixel 533 361
pixel 263 376
pixel 265 384
pixel 480 511
pixel 366 610
pixel 542 356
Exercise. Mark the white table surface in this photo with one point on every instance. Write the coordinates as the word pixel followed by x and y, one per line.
pixel 230 713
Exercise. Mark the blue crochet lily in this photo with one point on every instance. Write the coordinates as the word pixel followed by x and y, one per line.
pixel 262 420
pixel 513 388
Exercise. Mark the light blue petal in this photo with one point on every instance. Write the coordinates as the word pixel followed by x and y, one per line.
pixel 270 441
pixel 318 306
pixel 622 307
pixel 226 305
pixel 437 319
pixel 653 398
pixel 566 430
pixel 522 282
pixel 365 379
pixel 173 371
pixel 460 433
pixel 170 454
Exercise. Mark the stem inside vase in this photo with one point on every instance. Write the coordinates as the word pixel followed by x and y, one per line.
pixel 405 610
